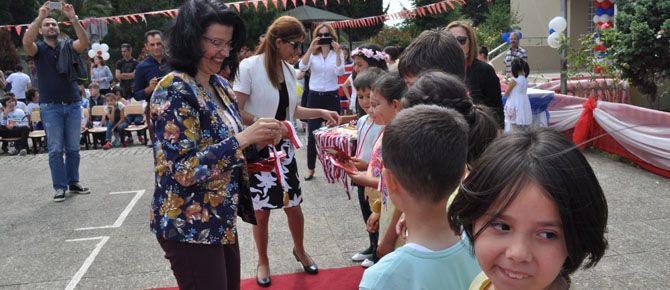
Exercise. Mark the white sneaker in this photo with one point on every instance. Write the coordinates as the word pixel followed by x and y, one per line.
pixel 367 263
pixel 23 152
pixel 359 257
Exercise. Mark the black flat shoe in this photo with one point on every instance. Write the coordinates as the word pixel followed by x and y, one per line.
pixel 309 177
pixel 263 282
pixel 311 269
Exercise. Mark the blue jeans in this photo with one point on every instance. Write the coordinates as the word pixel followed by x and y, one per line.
pixel 62 124
pixel 119 129
pixel 134 119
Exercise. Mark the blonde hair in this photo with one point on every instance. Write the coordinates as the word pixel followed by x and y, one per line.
pixel 330 30
pixel 472 53
pixel 284 28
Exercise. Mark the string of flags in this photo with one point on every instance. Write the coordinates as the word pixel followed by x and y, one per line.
pixel 172 13
pixel 421 11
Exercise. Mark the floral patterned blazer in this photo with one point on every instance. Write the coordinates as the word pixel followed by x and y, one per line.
pixel 201 175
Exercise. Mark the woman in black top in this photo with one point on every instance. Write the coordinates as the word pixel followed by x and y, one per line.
pixel 481 78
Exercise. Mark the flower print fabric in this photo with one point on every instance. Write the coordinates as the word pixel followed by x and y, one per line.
pixel 200 170
pixel 375 166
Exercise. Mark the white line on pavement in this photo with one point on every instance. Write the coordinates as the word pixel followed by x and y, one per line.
pixel 124 214
pixel 87 263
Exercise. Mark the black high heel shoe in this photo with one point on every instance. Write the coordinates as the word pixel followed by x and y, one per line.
pixel 310 269
pixel 263 282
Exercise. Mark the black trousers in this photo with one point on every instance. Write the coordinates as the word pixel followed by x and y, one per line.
pixel 18 131
pixel 318 100
pixel 198 266
pixel 365 210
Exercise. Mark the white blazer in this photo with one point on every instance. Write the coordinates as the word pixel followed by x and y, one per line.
pixel 263 99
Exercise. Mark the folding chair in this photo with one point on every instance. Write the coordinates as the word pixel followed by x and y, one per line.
pixel 97 131
pixel 36 135
pixel 136 110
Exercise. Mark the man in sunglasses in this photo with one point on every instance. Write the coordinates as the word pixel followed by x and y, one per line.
pixel 514 51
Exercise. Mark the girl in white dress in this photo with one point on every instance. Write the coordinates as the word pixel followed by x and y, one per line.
pixel 518 114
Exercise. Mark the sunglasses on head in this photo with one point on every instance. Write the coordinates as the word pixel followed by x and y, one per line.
pixel 323 34
pixel 295 44
pixel 462 39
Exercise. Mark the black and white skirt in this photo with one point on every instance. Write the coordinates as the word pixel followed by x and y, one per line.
pixel 266 190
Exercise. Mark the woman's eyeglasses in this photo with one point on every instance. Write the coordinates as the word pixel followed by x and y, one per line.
pixel 295 44
pixel 462 39
pixel 220 44
pixel 327 34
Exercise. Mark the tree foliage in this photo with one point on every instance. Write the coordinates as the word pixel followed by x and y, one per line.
pixel 640 44
pixel 430 21
pixel 8 56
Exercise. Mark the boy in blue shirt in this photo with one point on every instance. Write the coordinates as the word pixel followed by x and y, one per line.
pixel 425 149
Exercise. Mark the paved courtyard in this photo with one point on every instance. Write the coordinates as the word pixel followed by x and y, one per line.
pixel 102 240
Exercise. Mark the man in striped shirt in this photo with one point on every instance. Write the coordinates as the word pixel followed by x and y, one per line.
pixel 514 51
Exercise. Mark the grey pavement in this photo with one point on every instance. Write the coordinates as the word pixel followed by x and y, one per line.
pixel 45 247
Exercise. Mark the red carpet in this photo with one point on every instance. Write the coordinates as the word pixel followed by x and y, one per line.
pixel 330 279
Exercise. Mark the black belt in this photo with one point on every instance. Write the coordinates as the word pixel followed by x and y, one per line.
pixel 63 102
pixel 324 93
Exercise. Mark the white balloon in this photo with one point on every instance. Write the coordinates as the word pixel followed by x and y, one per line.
pixel 600 0
pixel 558 24
pixel 598 41
pixel 105 55
pixel 104 47
pixel 612 1
pixel 596 18
pixel 95 46
pixel 91 53
pixel 552 40
pixel 604 18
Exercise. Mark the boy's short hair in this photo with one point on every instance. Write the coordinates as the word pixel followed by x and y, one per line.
pixel 10 95
pixel 368 77
pixel 425 148
pixel 93 86
pixel 30 94
pixel 432 49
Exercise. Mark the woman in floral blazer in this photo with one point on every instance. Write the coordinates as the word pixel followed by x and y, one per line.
pixel 201 176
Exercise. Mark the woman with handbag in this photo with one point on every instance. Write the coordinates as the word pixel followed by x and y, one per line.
pixel 266 88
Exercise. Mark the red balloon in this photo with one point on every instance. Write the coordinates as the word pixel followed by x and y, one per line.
pixel 598 4
pixel 597 69
pixel 599 24
pixel 99 52
pixel 605 4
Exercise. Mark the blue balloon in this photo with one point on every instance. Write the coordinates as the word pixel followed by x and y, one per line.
pixel 610 11
pixel 551 30
pixel 595 35
pixel 505 37
pixel 600 11
pixel 520 35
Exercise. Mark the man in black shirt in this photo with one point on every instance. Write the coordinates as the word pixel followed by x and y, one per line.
pixel 125 70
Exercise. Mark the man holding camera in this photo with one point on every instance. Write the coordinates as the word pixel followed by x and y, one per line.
pixel 57 62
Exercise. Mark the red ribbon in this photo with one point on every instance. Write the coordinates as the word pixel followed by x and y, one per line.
pixel 292 134
pixel 585 124
pixel 266 165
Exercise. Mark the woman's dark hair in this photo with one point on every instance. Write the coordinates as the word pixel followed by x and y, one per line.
pixel 392 51
pixel 390 86
pixel 233 63
pixel 542 156
pixel 118 89
pixel 371 61
pixel 445 90
pixel 5 99
pixel 192 21
pixel 102 60
pixel 519 64
pixel 483 50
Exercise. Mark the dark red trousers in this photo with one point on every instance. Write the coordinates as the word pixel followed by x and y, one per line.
pixel 203 267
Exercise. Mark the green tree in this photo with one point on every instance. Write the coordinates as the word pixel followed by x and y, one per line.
pixel 641 45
